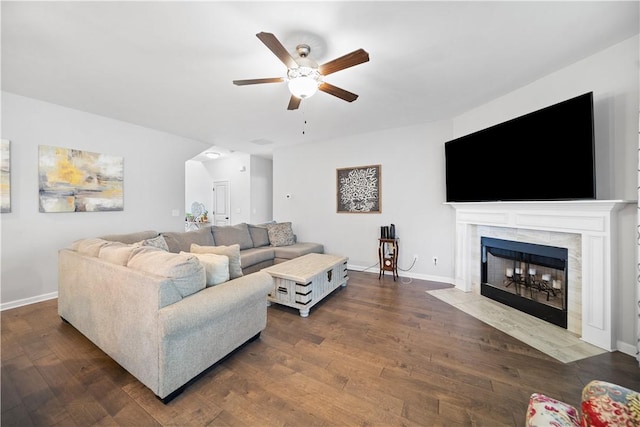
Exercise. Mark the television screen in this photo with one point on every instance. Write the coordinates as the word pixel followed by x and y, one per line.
pixel 544 155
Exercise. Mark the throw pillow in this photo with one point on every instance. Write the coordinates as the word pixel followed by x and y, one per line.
pixel 228 235
pixel 116 253
pixel 131 238
pixel 259 235
pixel 185 271
pixel 233 252
pixel 156 242
pixel 216 267
pixel 181 240
pixel 89 247
pixel 280 234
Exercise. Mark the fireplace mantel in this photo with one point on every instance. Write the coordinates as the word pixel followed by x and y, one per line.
pixel 594 220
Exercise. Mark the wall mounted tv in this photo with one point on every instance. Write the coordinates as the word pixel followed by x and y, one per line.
pixel 545 155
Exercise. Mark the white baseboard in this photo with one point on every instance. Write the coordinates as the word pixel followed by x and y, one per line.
pixel 27 301
pixel 625 348
pixel 375 269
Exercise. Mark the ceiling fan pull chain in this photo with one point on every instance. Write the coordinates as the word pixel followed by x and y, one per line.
pixel 304 121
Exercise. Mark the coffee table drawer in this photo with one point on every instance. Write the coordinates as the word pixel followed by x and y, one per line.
pixel 288 291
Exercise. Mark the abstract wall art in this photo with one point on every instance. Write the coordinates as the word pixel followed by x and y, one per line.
pixel 5 176
pixel 358 189
pixel 79 181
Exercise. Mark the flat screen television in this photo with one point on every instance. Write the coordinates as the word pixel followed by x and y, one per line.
pixel 545 155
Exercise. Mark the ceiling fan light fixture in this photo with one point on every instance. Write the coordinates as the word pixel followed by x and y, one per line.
pixel 303 81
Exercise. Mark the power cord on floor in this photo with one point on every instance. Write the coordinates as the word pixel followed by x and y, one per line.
pixel 404 282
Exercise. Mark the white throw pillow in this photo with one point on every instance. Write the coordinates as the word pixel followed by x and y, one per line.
pixel 233 252
pixel 216 267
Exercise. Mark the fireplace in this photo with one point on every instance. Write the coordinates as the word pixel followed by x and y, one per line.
pixel 592 271
pixel 528 277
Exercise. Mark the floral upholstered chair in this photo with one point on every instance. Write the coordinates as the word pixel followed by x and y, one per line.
pixel 603 405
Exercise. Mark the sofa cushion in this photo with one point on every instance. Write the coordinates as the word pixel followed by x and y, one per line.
pixel 90 247
pixel 298 249
pixel 215 266
pixel 281 234
pixel 181 241
pixel 232 251
pixel 156 242
pixel 228 235
pixel 259 235
pixel 131 237
pixel 116 252
pixel 253 256
pixel 185 271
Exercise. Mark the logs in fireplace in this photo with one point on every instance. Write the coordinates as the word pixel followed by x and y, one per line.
pixel 528 277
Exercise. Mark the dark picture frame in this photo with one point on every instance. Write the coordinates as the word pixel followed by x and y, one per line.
pixel 358 189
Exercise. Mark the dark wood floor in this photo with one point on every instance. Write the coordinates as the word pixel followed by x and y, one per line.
pixel 373 353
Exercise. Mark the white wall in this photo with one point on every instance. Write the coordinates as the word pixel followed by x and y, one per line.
pixel 230 169
pixel 250 185
pixel 198 186
pixel 412 194
pixel 154 182
pixel 612 75
pixel 413 177
pixel 261 171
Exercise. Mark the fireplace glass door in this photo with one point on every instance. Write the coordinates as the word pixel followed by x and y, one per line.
pixel 529 277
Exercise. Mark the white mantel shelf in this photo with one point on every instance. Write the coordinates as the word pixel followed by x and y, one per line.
pixel 594 220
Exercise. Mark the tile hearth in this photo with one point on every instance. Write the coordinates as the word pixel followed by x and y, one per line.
pixel 550 339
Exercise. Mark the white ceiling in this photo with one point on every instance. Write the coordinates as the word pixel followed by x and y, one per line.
pixel 170 65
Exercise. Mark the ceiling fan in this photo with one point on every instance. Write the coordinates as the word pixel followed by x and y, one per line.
pixel 304 75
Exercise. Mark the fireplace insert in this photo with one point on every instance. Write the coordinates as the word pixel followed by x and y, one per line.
pixel 528 277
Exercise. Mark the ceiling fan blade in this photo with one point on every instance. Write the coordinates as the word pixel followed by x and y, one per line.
pixel 336 91
pixel 258 81
pixel 276 47
pixel 349 60
pixel 294 103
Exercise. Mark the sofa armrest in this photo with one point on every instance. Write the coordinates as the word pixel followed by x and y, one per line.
pixel 214 302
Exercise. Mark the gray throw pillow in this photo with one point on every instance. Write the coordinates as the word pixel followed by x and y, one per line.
pixel 228 235
pixel 156 242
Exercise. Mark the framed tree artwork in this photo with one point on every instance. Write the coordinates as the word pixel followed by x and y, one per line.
pixel 358 189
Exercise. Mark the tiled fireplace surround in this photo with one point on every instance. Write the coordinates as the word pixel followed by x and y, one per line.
pixel 586 228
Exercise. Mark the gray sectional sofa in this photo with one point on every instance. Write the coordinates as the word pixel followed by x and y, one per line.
pixel 261 245
pixel 159 313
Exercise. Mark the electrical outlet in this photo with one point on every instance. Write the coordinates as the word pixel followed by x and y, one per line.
pixel 435 260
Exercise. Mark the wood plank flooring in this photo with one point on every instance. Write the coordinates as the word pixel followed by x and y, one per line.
pixel 376 352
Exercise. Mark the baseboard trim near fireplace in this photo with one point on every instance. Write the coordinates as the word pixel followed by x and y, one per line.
pixel 554 341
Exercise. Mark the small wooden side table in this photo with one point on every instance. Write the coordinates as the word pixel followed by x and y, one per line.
pixel 388 257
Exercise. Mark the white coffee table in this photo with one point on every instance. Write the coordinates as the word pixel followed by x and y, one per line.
pixel 304 281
